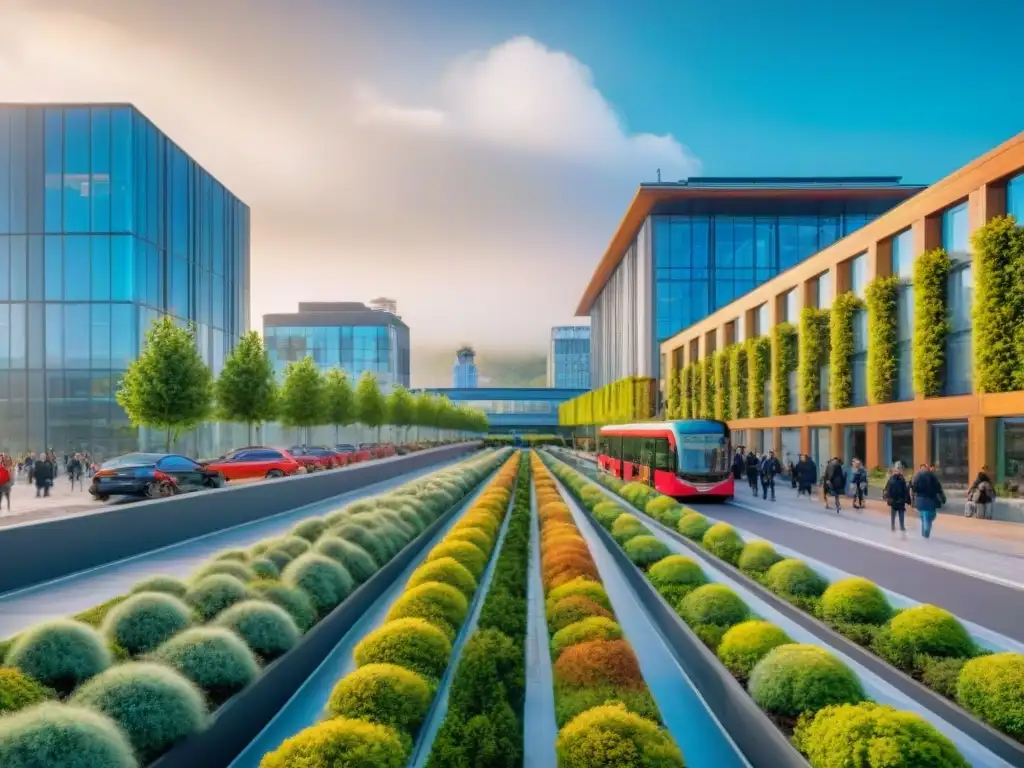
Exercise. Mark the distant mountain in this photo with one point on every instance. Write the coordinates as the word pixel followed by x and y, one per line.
pixel 433 368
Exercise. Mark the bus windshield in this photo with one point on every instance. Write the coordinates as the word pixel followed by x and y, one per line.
pixel 703 456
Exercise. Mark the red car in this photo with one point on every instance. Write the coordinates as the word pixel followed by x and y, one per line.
pixel 316 457
pixel 255 461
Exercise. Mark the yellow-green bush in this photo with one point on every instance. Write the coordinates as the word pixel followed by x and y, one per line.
pixel 815 347
pixel 593 628
pixel 386 694
pixel 745 644
pixel 854 601
pixel 758 557
pixel 607 512
pixel 795 577
pixel 610 735
pixel 415 644
pixel 665 510
pixel 676 576
pixel 442 605
pixel 759 369
pixel 998 307
pixel 580 587
pixel 931 322
pixel 445 570
pixel 882 326
pixel 722 540
pixel 462 552
pixel 626 527
pixel 793 679
pixel 923 629
pixel 341 742
pixel 645 550
pixel 841 349
pixel 992 687
pixel 713 604
pixel 18 691
pixel 693 525
pixel 784 357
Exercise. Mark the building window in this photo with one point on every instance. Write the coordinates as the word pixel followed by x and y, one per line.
pixel 899 444
pixel 855 444
pixel 1015 198
pixel 823 290
pixel 1010 451
pixel 821 447
pixel 949 452
pixel 761 321
pixel 959 298
pixel 791 306
pixel 903 255
pixel 956 233
pixel 859 275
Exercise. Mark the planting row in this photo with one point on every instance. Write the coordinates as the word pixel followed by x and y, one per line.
pixel 807 691
pixel 926 642
pixel 121 683
pixel 374 714
pixel 484 722
pixel 604 710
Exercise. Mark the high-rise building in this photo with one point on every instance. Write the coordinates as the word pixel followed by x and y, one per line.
pixel 686 249
pixel 464 373
pixel 569 357
pixel 347 335
pixel 105 226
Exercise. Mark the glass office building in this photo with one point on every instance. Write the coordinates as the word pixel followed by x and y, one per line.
pixel 105 226
pixel 346 335
pixel 569 357
pixel 685 250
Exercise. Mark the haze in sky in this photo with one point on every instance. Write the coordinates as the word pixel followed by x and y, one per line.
pixel 479 189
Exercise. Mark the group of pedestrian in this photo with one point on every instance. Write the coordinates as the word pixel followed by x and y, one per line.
pixel 41 470
pixel 761 470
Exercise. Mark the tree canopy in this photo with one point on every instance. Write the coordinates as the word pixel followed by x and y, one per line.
pixel 371 407
pixel 302 395
pixel 339 399
pixel 246 389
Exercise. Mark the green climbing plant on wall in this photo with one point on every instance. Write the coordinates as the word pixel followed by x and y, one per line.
pixel 931 321
pixel 738 381
pixel 814 351
pixel 998 322
pixel 841 349
pixel 882 324
pixel 707 387
pixel 687 392
pixel 759 368
pixel 674 405
pixel 722 405
pixel 784 356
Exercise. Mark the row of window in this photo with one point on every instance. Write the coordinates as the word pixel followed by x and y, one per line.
pixel 651 451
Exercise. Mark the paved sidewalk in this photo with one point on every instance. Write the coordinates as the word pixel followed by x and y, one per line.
pixel 25 507
pixel 987 547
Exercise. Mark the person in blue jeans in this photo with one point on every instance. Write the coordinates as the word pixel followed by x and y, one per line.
pixel 928 497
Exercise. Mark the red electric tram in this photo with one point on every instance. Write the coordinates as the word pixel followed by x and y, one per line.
pixel 687 459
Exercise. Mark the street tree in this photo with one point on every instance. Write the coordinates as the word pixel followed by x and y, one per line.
pixel 246 390
pixel 168 387
pixel 401 409
pixel 371 407
pixel 302 396
pixel 426 405
pixel 339 400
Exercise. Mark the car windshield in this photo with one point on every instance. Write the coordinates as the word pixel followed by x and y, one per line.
pixel 703 455
pixel 133 460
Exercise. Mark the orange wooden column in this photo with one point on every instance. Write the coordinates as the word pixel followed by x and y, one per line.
pixel 875 450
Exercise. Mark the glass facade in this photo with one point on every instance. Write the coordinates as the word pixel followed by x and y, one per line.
pixel 959 300
pixel 903 268
pixel 949 452
pixel 899 444
pixel 380 349
pixel 105 226
pixel 569 357
pixel 1015 198
pixel 823 290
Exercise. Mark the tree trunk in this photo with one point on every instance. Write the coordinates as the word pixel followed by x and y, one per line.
pixel 167 440
pixel 249 436
pixel 337 432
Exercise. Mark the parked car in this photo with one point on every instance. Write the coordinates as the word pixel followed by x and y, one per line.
pixel 345 448
pixel 256 461
pixel 152 476
pixel 329 458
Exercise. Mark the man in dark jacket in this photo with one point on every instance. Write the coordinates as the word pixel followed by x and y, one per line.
pixel 42 473
pixel 806 474
pixel 928 497
pixel 770 467
pixel 739 464
pixel 896 494
pixel 834 482
pixel 753 467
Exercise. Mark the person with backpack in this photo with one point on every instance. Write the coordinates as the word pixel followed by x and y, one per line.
pixel 859 481
pixel 834 482
pixel 753 469
pixel 806 475
pixel 981 496
pixel 896 494
pixel 770 467
pixel 739 464
pixel 928 497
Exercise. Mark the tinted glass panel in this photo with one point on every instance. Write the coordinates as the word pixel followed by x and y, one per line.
pixel 177 464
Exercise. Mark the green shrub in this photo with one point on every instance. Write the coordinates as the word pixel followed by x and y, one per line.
pixel 310 530
pixel 759 369
pixel 722 540
pixel 341 743
pixel 445 570
pixel 923 629
pixel 570 703
pixel 325 581
pixel 723 402
pixel 411 643
pixel 610 735
pixel 166 584
pixel 581 587
pixel 215 659
pixel 592 495
pixel 478 537
pixel 708 385
pixel 293 545
pixel 665 510
pixel 278 557
pixel 212 594
pixel 441 604
pixel 992 687
pixel 607 512
pixel 882 320
pixel 745 644
pixel 814 353
pixel 295 602
pixel 493 739
pixel 240 571
pixel 998 307
pixel 738 405
pixel 795 577
pixel 60 654
pixel 490 672
pixel 757 557
pixel 386 694
pixel 675 577
pixel 627 526
pixel 637 494
pixel 144 621
pixel 238 555
pixel 693 525
pixel 713 604
pixel 841 319
pixel 794 678
pixel 571 609
pixel 931 322
pixel 592 628
pixel 94 616
pixel 353 558
pixel 266 628
pixel 854 601
pixel 18 690
pixel 265 568
pixel 154 706
pixel 462 552
pixel 784 356
pixel 873 736
pixel 58 736
pixel 941 675
pixel 644 551
pixel 379 550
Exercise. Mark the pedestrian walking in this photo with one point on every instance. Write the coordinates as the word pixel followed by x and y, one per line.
pixel 6 481
pixel 928 497
pixel 859 484
pixel 981 496
pixel 791 469
pixel 753 469
pixel 896 494
pixel 770 467
pixel 42 474
pixel 75 471
pixel 739 464
pixel 833 482
pixel 806 474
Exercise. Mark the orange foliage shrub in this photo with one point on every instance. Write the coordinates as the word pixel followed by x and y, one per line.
pixel 566 567
pixel 599 662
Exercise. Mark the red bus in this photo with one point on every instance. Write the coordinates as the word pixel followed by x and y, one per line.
pixel 687 459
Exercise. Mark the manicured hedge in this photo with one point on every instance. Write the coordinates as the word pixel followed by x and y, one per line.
pixel 723 404
pixel 814 353
pixel 882 325
pixel 998 309
pixel 739 401
pixel 759 370
pixel 708 387
pixel 784 362
pixel 931 322
pixel 840 388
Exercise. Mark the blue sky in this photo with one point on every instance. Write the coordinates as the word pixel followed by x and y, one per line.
pixel 876 86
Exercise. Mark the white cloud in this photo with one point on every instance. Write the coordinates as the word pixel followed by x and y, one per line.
pixel 482 202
